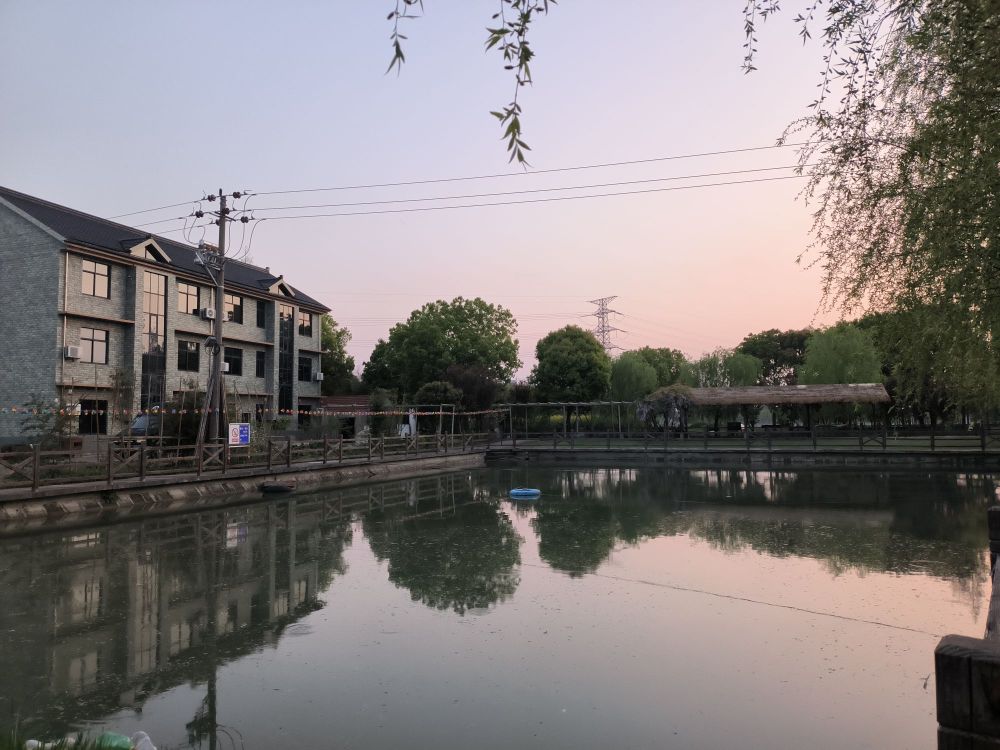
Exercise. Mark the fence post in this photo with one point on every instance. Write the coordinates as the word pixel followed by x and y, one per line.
pixel 885 432
pixel 325 442
pixel 812 434
pixel 706 436
pixel 369 447
pixel 381 448
pixel 111 462
pixel 201 457
pixel 993 523
pixel 142 462
pixel 340 450
pixel 553 440
pixel 861 440
pixel 270 454
pixel 225 456
pixel 932 435
pixel 36 465
pixel 513 429
pixel 982 433
pixel 288 455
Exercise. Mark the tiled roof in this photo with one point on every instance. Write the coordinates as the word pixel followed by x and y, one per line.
pixel 93 231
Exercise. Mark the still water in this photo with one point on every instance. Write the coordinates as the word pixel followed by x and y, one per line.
pixel 628 608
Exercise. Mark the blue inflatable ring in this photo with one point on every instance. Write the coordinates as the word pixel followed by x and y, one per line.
pixel 524 493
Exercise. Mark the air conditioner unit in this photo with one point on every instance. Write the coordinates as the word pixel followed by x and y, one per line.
pixel 71 352
pixel 318 377
pixel 208 313
pixel 225 367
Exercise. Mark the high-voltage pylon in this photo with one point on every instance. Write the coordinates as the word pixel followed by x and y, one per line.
pixel 603 330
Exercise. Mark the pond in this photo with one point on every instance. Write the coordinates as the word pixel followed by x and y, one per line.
pixel 627 608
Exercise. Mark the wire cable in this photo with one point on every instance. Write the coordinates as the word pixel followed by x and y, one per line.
pixel 529 191
pixel 150 210
pixel 531 200
pixel 650 160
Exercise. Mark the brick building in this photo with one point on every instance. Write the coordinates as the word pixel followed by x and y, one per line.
pixel 105 319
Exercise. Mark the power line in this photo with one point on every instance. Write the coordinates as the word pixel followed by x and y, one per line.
pixel 527 191
pixel 150 210
pixel 530 200
pixel 650 160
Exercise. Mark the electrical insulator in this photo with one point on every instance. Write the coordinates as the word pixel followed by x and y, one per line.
pixel 245 219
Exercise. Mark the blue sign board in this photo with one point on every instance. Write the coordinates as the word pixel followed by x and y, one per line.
pixel 239 433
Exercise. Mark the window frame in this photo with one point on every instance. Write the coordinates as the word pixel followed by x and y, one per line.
pixel 260 365
pixel 302 327
pixel 262 313
pixel 231 355
pixel 304 358
pixel 228 300
pixel 183 293
pixel 92 340
pixel 94 274
pixel 187 356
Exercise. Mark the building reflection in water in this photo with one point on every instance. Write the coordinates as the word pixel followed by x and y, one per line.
pixel 99 619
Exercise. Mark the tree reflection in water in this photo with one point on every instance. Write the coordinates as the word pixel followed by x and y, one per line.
pixel 464 559
pixel 896 522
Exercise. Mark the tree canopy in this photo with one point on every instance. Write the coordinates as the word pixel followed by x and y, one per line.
pixel 668 363
pixel 337 365
pixel 466 332
pixel 841 354
pixel 781 353
pixel 723 368
pixel 572 366
pixel 632 377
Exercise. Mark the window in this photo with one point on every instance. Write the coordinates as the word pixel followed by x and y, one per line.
pixel 261 364
pixel 305 323
pixel 234 358
pixel 94 346
pixel 234 307
pixel 305 415
pixel 188 298
pixel 261 314
pixel 305 369
pixel 188 356
pixel 96 279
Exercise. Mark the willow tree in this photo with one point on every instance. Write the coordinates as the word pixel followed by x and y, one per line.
pixel 903 158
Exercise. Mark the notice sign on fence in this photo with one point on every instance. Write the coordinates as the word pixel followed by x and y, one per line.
pixel 239 433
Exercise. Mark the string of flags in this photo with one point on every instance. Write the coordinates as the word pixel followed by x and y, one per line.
pixel 155 411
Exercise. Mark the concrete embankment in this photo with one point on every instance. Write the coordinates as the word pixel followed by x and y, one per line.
pixel 182 492
pixel 784 459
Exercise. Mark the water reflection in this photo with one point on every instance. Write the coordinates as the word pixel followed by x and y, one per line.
pixel 99 619
pixel 866 521
pixel 463 561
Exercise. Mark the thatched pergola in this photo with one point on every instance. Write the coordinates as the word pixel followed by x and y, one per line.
pixel 786 395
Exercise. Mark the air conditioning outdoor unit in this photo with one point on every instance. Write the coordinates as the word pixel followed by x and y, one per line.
pixel 225 367
pixel 208 313
pixel 318 377
pixel 71 352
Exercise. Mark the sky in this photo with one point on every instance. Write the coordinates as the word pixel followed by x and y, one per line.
pixel 115 107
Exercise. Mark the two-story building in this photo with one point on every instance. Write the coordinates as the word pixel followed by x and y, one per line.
pixel 107 320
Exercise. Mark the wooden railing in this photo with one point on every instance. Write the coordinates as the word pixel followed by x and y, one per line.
pixel 765 440
pixel 130 459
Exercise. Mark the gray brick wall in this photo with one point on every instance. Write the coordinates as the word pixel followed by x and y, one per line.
pixel 36 271
pixel 29 316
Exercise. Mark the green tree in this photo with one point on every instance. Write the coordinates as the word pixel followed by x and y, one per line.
pixel 470 333
pixel 781 353
pixel 572 366
pixel 841 354
pixel 668 363
pixel 479 388
pixel 438 392
pixel 337 365
pixel 903 169
pixel 46 422
pixel 632 377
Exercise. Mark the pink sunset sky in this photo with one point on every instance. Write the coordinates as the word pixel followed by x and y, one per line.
pixel 122 107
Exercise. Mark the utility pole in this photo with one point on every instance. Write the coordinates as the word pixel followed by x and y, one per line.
pixel 215 429
pixel 603 330
pixel 214 262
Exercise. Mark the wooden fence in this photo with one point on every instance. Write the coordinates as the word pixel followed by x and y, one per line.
pixel 127 459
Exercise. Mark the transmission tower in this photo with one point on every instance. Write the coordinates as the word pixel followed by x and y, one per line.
pixel 603 330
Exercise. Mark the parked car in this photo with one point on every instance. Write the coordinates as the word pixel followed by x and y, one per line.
pixel 144 426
